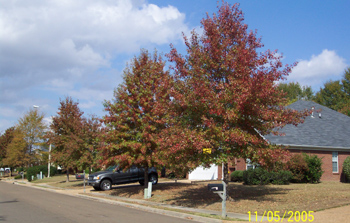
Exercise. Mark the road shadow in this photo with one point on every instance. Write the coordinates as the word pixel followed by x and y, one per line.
pixel 6 202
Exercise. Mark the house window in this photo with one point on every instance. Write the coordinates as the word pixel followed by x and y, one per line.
pixel 335 162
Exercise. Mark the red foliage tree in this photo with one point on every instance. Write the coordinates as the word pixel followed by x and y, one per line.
pixel 137 115
pixel 226 87
pixel 72 136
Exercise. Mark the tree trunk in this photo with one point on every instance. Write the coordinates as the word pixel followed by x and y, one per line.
pixel 67 175
pixel 146 177
pixel 226 174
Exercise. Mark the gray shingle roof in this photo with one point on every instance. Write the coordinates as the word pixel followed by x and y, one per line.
pixel 331 130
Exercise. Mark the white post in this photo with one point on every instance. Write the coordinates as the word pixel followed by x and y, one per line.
pixel 49 163
pixel 41 175
pixel 145 195
pixel 149 195
pixel 224 200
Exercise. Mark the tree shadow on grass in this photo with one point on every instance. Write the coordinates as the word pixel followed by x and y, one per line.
pixel 194 195
pixel 136 189
pixel 200 196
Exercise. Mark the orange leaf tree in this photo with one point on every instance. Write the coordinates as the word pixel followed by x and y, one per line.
pixel 73 137
pixel 137 115
pixel 225 87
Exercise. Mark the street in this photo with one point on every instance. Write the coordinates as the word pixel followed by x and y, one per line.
pixel 25 204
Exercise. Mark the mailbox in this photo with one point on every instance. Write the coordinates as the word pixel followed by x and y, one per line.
pixel 79 176
pixel 215 187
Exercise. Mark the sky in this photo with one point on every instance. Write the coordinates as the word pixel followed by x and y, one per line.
pixel 79 48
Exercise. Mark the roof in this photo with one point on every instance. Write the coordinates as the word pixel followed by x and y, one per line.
pixel 326 128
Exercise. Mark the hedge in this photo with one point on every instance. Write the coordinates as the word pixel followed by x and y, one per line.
pixel 260 176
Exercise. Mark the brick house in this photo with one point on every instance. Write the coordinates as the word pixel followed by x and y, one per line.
pixel 325 133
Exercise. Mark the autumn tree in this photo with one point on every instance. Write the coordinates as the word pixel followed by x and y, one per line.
pixel 225 88
pixel 33 128
pixel 5 140
pixel 137 115
pixel 92 141
pixel 294 91
pixel 68 136
pixel 16 150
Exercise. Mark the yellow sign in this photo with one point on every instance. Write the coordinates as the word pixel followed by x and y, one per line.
pixel 207 150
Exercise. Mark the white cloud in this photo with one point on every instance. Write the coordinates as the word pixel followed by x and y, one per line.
pixel 55 35
pixel 62 47
pixel 319 69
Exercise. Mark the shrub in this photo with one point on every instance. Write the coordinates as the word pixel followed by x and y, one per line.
pixel 237 176
pixel 260 176
pixel 346 168
pixel 298 167
pixel 305 168
pixel 257 176
pixel 281 177
pixel 314 163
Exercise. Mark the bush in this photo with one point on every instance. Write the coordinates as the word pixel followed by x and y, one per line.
pixel 237 176
pixel 298 167
pixel 33 171
pixel 260 176
pixel 314 163
pixel 305 168
pixel 346 168
pixel 257 176
pixel 282 177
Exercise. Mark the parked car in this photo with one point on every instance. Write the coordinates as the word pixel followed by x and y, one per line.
pixel 103 180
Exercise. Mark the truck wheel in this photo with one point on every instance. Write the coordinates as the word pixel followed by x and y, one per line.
pixel 106 185
pixel 153 178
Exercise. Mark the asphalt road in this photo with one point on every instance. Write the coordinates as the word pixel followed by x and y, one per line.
pixel 25 204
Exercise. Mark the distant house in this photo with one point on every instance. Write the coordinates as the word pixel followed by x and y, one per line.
pixel 325 133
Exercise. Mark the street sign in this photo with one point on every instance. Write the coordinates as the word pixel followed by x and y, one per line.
pixel 207 151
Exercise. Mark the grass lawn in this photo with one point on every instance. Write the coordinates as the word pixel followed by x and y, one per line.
pixel 60 182
pixel 293 197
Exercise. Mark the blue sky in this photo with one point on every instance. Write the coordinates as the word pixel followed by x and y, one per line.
pixel 53 49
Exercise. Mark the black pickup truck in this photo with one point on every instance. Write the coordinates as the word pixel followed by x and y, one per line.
pixel 103 180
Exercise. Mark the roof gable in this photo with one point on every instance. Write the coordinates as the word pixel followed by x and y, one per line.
pixel 326 128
